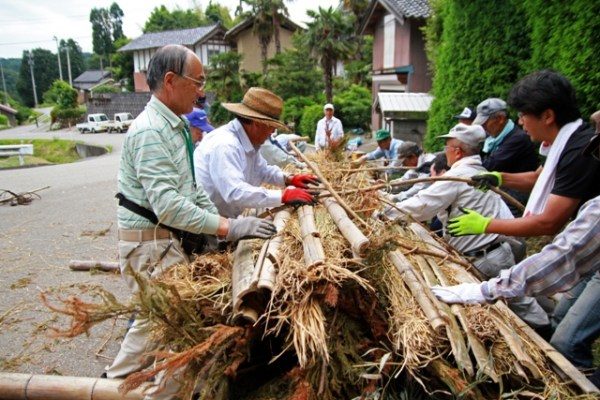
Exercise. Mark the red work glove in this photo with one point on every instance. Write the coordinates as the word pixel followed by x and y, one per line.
pixel 295 196
pixel 303 180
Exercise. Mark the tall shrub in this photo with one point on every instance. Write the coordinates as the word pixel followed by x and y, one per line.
pixel 482 49
pixel 308 122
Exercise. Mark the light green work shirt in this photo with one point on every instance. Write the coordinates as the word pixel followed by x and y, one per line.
pixel 156 173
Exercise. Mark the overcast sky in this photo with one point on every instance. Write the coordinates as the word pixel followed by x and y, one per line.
pixel 28 24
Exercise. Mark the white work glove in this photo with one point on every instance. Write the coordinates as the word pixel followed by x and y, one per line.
pixel 465 293
pixel 249 228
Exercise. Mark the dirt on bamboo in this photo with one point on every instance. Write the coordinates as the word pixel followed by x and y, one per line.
pixel 342 326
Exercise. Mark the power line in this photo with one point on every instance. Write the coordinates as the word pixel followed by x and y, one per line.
pixel 11 21
pixel 41 41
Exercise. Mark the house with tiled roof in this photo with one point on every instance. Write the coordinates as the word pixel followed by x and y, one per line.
pixel 205 41
pixel 89 80
pixel 399 61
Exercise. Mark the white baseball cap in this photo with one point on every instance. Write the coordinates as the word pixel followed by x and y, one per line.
pixel 328 106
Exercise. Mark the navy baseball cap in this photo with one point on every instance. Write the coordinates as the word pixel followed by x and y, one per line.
pixel 199 119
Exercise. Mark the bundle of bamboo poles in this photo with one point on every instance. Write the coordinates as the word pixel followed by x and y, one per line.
pixel 338 305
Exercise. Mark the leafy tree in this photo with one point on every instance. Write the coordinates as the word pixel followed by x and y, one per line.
pixel 293 72
pixel 358 71
pixel 3 121
pixel 75 57
pixel 475 60
pixel 161 19
pixel 61 94
pixel 23 113
pixel 45 70
pixel 224 79
pixel 218 13
pixel 11 67
pixel 122 65
pixel 107 27
pixel 329 35
pixel 93 61
pixel 353 107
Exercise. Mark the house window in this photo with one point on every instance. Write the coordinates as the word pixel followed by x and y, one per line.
pixel 213 52
pixel 389 40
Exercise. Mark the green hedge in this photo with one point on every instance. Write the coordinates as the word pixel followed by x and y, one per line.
pixel 353 107
pixel 308 122
pixel 3 120
pixel 293 108
pixel 67 116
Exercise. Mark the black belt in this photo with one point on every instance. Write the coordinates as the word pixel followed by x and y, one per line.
pixel 482 252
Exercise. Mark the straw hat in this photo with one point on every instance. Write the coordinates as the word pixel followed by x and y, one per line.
pixel 260 105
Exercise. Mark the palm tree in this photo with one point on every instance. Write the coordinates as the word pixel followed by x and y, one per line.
pixel 329 37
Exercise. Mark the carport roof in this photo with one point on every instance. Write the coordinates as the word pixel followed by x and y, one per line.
pixel 397 102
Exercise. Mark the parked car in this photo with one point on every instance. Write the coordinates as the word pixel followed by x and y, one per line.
pixel 120 123
pixel 95 123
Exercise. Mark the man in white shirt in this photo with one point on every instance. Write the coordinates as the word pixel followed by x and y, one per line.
pixel 447 199
pixel 229 167
pixel 329 130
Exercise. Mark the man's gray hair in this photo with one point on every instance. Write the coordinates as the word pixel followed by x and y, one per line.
pixel 170 58
pixel 468 149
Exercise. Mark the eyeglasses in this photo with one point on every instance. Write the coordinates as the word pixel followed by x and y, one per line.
pixel 446 147
pixel 199 83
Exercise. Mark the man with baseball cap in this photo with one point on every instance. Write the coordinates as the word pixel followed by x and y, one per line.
pixel 410 155
pixel 230 167
pixel 466 116
pixel 507 147
pixel 447 199
pixel 199 125
pixel 387 148
pixel 329 130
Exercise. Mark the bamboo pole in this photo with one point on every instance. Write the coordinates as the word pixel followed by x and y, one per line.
pixel 327 185
pixel 481 355
pixel 311 241
pixel 241 278
pixel 265 271
pixel 14 386
pixel 561 365
pixel 358 241
pixel 412 282
pixel 457 341
pixel 80 265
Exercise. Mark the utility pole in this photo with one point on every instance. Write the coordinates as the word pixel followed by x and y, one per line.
pixel 66 49
pixel 30 57
pixel 4 84
pixel 58 55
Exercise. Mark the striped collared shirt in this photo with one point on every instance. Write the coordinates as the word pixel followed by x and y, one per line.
pixel 156 173
pixel 574 253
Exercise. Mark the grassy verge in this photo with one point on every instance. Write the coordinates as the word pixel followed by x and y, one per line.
pixel 46 151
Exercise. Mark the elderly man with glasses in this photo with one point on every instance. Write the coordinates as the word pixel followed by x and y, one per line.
pixel 160 202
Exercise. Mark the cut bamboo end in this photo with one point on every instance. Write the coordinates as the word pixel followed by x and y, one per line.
pixel 358 241
pixel 107 266
pixel 265 271
pixel 241 276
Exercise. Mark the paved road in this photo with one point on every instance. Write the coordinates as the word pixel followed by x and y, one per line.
pixel 36 243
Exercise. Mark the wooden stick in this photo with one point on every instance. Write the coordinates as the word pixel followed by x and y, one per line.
pixel 15 386
pixel 329 187
pixel 80 265
pixel 311 241
pixel 410 182
pixel 409 277
pixel 367 169
pixel 358 241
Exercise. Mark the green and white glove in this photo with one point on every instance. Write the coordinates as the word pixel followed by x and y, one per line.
pixel 472 223
pixel 465 293
pixel 486 180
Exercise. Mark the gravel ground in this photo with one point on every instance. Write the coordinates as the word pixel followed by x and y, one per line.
pixel 36 243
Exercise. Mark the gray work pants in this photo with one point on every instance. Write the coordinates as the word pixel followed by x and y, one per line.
pixel 150 259
pixel 527 308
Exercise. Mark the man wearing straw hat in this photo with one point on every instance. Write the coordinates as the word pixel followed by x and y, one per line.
pixel 229 165
pixel 447 199
pixel 159 199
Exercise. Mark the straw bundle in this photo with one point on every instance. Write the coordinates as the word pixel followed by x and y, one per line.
pixel 345 311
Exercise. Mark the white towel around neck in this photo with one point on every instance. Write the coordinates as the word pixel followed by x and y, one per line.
pixel 545 182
